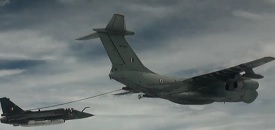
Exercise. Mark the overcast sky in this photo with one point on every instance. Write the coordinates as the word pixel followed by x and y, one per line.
pixel 181 38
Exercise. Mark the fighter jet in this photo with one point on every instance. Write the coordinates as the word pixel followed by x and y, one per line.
pixel 14 115
pixel 233 84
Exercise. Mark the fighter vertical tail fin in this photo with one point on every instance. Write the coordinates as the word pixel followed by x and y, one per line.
pixel 8 107
pixel 120 53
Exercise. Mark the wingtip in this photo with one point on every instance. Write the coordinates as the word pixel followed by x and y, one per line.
pixel 270 58
pixel 79 39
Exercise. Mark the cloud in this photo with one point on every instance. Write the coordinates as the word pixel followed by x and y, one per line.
pixel 4 2
pixel 247 15
pixel 178 38
pixel 69 1
pixel 29 43
pixel 10 72
pixel 19 63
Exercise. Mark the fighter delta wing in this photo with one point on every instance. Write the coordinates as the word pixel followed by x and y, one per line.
pixel 226 85
pixel 14 115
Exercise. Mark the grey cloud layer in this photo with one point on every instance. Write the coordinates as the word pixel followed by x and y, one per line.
pixel 180 38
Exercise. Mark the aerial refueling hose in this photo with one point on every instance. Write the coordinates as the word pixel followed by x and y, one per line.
pixel 76 100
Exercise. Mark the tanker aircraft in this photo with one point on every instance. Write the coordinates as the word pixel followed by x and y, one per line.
pixel 233 84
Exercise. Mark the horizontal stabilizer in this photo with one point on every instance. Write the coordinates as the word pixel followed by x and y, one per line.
pixel 116 26
pixel 117 23
pixel 91 36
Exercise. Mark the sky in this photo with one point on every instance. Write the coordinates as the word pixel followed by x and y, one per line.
pixel 42 64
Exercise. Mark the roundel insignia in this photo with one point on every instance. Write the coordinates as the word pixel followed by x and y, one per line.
pixel 161 80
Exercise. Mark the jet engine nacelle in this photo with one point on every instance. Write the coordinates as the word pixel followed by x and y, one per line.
pixel 241 84
pixel 251 84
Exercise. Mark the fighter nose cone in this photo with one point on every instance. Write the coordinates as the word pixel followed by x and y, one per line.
pixel 84 115
pixel 87 115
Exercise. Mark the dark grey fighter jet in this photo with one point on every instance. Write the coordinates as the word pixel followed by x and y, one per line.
pixel 234 84
pixel 14 115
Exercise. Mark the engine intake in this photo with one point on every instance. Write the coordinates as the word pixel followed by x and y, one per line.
pixel 241 84
pixel 233 85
